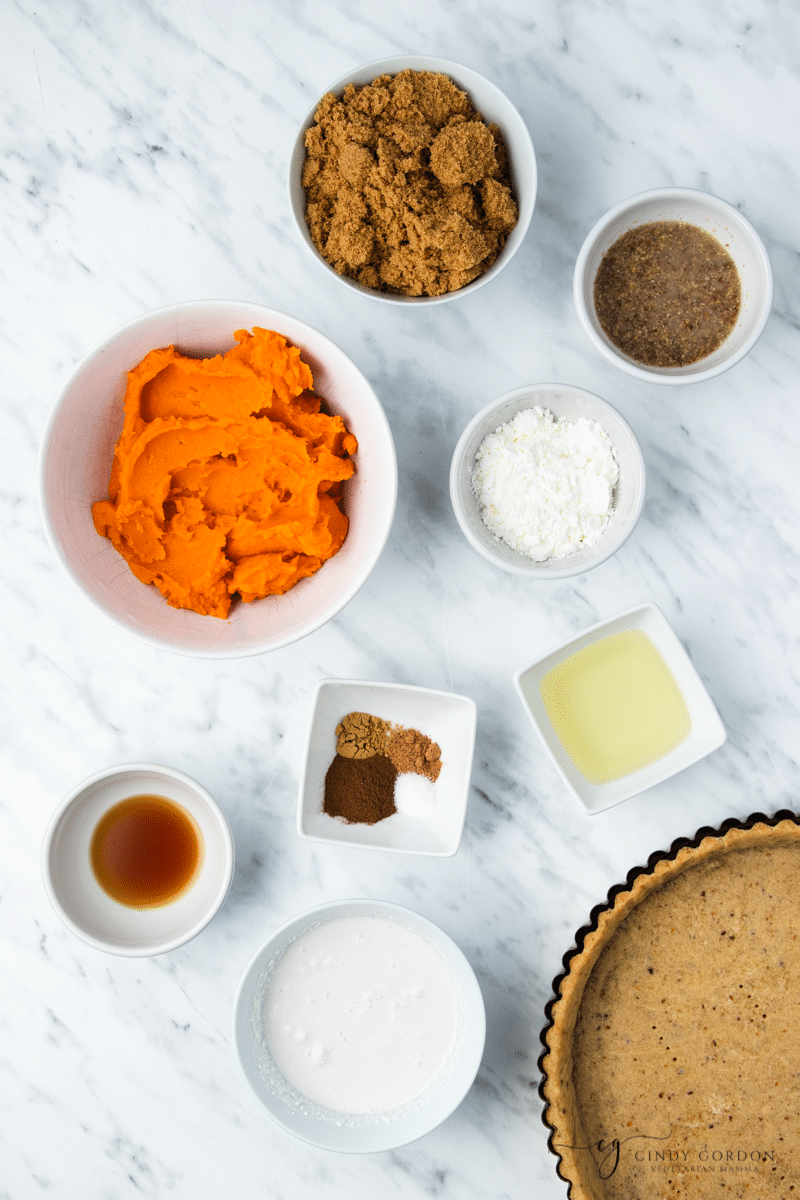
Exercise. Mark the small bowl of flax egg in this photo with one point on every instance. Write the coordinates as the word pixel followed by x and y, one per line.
pixel 137 859
pixel 673 286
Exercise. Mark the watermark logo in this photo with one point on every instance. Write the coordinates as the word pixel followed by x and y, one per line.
pixel 608 1152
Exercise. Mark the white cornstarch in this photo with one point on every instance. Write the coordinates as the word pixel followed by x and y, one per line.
pixel 544 486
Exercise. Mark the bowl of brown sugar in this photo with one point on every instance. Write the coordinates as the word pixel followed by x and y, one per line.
pixel 413 180
pixel 387 767
pixel 673 286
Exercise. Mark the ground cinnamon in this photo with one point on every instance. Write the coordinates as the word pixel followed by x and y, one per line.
pixel 360 790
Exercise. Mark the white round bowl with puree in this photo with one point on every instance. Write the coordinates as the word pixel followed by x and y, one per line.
pixel 75 891
pixel 77 452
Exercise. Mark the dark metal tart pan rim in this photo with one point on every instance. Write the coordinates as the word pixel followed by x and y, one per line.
pixel 681 843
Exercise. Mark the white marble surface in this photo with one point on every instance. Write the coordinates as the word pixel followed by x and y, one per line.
pixel 144 154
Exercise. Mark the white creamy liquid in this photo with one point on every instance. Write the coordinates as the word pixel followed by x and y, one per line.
pixel 360 1014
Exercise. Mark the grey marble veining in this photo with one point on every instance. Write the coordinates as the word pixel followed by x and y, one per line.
pixel 143 160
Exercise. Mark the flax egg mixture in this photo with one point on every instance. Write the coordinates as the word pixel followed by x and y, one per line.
pixel 667 293
pixel 227 477
pixel 360 1015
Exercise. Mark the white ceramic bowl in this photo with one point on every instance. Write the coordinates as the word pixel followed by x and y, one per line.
pixel 448 719
pixel 567 403
pixel 707 733
pixel 75 463
pixel 493 105
pixel 87 910
pixel 360 1134
pixel 726 224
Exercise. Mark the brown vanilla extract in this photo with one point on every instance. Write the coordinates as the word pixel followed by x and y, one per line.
pixel 145 851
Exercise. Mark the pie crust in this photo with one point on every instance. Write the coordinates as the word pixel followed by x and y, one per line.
pixel 672 1057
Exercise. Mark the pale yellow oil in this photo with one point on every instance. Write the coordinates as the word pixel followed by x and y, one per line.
pixel 615 706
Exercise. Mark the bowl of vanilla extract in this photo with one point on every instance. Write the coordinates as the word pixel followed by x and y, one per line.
pixel 137 859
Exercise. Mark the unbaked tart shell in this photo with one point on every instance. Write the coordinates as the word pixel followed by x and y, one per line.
pixel 672 1055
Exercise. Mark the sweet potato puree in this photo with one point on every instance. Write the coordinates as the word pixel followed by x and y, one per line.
pixel 226 477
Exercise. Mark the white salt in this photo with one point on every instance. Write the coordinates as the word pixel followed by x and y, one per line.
pixel 414 795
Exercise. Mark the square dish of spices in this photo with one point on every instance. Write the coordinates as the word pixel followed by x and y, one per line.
pixel 387 767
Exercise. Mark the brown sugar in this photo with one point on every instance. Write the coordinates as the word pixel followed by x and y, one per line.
pixel 462 153
pixel 408 189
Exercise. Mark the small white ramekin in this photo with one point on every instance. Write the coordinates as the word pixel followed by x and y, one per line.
pixel 569 404
pixel 730 228
pixel 82 904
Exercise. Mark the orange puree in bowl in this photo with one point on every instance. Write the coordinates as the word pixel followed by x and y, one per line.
pixel 227 476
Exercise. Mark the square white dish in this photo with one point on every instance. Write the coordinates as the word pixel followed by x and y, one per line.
pixel 450 720
pixel 707 733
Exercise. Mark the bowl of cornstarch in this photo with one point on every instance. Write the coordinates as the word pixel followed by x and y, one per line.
pixel 548 481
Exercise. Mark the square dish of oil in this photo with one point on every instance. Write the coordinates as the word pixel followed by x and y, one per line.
pixel 620 708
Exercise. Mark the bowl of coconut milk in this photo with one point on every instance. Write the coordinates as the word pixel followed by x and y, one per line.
pixel 359 1026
